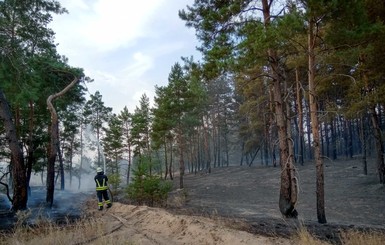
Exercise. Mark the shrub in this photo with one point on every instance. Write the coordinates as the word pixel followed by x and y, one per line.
pixel 148 189
pixel 114 180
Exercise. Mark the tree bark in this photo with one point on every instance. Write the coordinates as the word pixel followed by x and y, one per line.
pixel 288 188
pixel 206 146
pixel 334 138
pixel 54 143
pixel 363 143
pixel 181 160
pixel 300 118
pixel 61 169
pixel 315 126
pixel 20 193
pixel 31 145
pixel 379 145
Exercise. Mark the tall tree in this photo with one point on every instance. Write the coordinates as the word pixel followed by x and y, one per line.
pixel 54 143
pixel 371 74
pixel 20 197
pixel 312 33
pixel 125 117
pixel 231 30
pixel 70 141
pixel 141 129
pixel 162 126
pixel 113 144
pixel 24 36
pixel 97 114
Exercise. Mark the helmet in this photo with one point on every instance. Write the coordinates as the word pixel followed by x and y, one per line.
pixel 99 170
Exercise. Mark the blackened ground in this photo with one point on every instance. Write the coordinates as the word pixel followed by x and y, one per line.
pixel 67 207
pixel 352 200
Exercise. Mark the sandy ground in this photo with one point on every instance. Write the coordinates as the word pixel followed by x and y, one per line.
pixel 128 224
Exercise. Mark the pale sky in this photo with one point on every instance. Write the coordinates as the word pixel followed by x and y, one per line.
pixel 126 46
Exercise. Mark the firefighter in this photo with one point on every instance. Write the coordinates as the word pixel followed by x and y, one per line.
pixel 101 188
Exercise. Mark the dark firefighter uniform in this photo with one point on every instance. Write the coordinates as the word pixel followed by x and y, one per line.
pixel 102 189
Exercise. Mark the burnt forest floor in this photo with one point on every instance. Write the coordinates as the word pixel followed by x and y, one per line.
pixel 353 201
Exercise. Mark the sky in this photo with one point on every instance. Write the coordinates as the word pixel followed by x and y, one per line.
pixel 127 47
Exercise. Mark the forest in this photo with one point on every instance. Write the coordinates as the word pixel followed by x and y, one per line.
pixel 281 82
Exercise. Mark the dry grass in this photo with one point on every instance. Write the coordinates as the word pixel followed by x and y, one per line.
pixel 362 238
pixel 45 232
pixel 351 237
pixel 94 231
pixel 177 198
pixel 303 237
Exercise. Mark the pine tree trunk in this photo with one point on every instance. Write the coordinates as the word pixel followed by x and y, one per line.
pixel 54 143
pixel 20 193
pixel 61 169
pixel 207 148
pixel 171 162
pixel 375 123
pixel 165 158
pixel 350 139
pixel 327 139
pixel 314 126
pixel 308 130
pixel 181 161
pixel 31 145
pixel 54 132
pixel 379 145
pixel 288 187
pixel 300 118
pixel 81 156
pixel 334 138
pixel 363 143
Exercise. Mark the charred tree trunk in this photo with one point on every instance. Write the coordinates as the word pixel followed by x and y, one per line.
pixel 54 143
pixel 288 188
pixel 379 145
pixel 363 145
pixel 334 138
pixel 20 193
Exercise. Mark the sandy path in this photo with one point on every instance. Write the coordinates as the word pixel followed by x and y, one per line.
pixel 145 225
